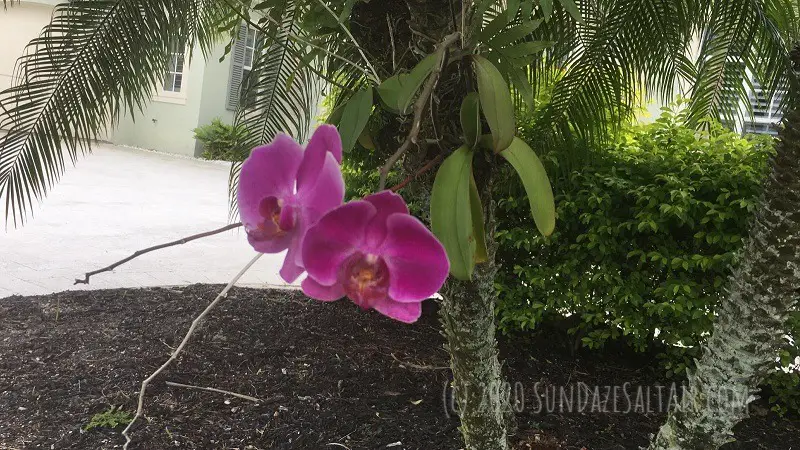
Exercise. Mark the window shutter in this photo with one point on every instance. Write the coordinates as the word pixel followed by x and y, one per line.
pixel 766 114
pixel 237 61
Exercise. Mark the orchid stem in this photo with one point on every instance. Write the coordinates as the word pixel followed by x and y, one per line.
pixel 138 253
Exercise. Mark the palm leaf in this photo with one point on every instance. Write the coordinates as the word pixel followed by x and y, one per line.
pixel 95 61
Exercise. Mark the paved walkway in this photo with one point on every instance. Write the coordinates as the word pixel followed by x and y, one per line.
pixel 119 200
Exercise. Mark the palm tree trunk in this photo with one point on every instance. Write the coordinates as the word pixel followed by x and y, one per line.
pixel 751 321
pixel 468 320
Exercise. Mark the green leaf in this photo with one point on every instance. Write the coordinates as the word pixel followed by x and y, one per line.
pixel 572 9
pixel 514 34
pixel 398 92
pixel 471 119
pixel 547 8
pixel 478 230
pixel 451 219
pixel 500 21
pixel 537 185
pixel 520 81
pixel 526 49
pixel 496 103
pixel 355 116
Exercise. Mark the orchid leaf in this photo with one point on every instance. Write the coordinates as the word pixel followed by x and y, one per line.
pixel 355 115
pixel 537 185
pixel 496 103
pixel 398 92
pixel 451 216
pixel 471 119
pixel 478 230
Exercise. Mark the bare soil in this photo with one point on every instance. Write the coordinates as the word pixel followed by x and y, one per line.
pixel 328 376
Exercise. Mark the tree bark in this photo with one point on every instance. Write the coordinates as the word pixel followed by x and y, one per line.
pixel 752 318
pixel 467 314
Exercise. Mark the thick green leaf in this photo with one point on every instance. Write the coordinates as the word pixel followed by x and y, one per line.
pixel 451 216
pixel 537 185
pixel 398 92
pixel 496 102
pixel 355 116
pixel 471 119
pixel 478 230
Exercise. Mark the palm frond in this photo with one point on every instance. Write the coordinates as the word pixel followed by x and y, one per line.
pixel 95 61
pixel 281 93
pixel 740 38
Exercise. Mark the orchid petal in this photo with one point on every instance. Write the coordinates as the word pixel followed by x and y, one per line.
pixel 404 312
pixel 325 140
pixel 327 192
pixel 417 261
pixel 336 236
pixel 269 171
pixel 320 292
pixel 386 203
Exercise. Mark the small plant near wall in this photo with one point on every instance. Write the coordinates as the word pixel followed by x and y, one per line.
pixel 220 141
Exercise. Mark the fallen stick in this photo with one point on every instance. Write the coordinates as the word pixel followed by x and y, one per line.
pixel 179 349
pixel 211 389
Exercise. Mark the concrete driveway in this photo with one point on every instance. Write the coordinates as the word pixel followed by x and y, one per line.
pixel 119 200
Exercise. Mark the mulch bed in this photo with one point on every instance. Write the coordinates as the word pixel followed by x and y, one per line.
pixel 329 377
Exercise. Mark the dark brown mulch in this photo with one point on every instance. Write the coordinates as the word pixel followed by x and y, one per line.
pixel 330 377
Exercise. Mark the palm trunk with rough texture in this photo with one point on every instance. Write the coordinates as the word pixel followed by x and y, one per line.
pixel 467 314
pixel 751 320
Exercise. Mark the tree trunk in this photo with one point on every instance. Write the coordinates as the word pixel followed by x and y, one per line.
pixel 467 314
pixel 751 319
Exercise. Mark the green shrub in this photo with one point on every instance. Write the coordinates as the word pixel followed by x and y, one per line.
pixel 220 141
pixel 646 233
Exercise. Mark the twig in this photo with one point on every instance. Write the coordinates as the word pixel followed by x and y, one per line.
pixel 419 172
pixel 391 39
pixel 156 247
pixel 350 35
pixel 197 320
pixel 210 389
pixel 336 444
pixel 419 106
pixel 417 366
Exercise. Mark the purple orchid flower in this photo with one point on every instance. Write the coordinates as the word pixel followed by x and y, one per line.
pixel 377 254
pixel 283 190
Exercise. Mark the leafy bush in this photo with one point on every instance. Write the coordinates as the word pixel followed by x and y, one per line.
pixel 220 141
pixel 647 231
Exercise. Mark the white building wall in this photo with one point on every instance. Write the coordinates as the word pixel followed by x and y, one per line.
pixel 19 24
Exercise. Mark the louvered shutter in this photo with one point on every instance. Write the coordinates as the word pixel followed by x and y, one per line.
pixel 237 70
pixel 766 114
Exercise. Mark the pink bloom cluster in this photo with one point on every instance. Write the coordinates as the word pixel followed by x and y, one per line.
pixel 372 250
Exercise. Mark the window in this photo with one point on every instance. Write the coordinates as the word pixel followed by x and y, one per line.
pixel 766 114
pixel 250 44
pixel 173 89
pixel 174 78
